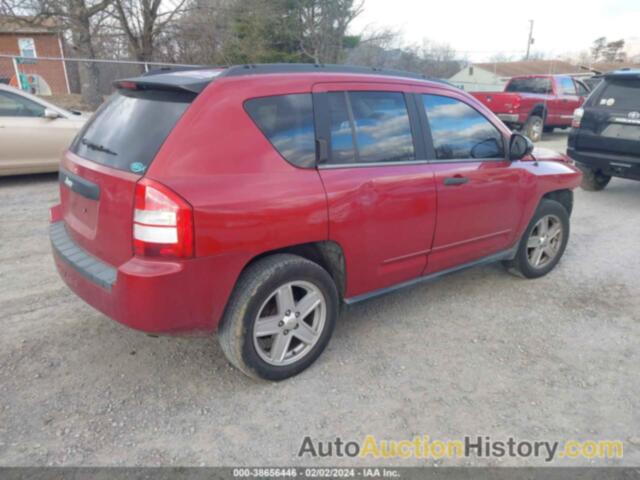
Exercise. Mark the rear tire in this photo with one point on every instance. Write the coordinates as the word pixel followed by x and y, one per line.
pixel 593 180
pixel 548 129
pixel 543 242
pixel 533 128
pixel 262 315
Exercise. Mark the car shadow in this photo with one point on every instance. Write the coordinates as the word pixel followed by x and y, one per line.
pixel 30 179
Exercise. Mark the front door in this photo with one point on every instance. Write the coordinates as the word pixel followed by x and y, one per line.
pixel 478 209
pixel 380 189
pixel 30 142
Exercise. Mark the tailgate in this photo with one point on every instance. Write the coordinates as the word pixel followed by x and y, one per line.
pixel 609 131
pixel 611 121
pixel 97 207
pixel 499 102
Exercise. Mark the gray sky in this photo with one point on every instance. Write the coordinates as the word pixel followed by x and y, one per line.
pixel 482 28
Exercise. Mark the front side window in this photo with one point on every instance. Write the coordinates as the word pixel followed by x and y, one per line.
pixel 461 132
pixel 27 47
pixel 12 105
pixel 370 127
pixel 287 122
pixel 567 87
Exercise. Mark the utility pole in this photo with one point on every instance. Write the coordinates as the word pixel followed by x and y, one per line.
pixel 530 41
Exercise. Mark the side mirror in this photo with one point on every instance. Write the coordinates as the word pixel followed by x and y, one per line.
pixel 519 146
pixel 51 114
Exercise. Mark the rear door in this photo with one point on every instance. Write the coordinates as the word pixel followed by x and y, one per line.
pixel 380 188
pixel 611 120
pixel 479 208
pixel 99 174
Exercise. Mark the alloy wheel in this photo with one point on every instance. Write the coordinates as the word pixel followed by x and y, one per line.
pixel 289 323
pixel 545 241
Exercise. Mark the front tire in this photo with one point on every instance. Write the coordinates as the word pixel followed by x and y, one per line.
pixel 593 180
pixel 543 243
pixel 280 317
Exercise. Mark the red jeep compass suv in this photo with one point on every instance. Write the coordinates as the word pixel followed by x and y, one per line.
pixel 254 200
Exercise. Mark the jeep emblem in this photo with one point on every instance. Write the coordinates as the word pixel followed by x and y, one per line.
pixel 634 115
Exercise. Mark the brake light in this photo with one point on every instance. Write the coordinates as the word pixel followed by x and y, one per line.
pixel 577 117
pixel 162 222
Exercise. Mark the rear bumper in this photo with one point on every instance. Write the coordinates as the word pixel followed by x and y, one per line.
pixel 154 296
pixel 610 164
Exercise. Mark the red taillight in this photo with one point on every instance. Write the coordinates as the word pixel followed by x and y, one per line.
pixel 162 222
pixel 126 85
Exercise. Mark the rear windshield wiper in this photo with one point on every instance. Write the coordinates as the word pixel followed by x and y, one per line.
pixel 96 146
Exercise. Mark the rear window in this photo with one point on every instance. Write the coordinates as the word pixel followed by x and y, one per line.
pixel 529 85
pixel 129 129
pixel 287 121
pixel 621 94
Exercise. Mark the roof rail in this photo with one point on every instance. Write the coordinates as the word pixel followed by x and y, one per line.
pixel 266 68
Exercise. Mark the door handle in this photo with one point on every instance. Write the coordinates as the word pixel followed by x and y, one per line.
pixel 456 181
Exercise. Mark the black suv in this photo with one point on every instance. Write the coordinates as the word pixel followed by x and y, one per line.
pixel 605 138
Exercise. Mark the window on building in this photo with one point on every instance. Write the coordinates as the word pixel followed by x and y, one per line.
pixel 27 47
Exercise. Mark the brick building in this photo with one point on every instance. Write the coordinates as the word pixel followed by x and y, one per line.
pixel 30 42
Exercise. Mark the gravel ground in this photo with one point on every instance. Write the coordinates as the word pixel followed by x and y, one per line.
pixel 477 353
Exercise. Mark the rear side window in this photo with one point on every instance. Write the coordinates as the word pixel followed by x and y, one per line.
pixel 529 85
pixel 621 94
pixel 461 132
pixel 370 127
pixel 129 129
pixel 287 121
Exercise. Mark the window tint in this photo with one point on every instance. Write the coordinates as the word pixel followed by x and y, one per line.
pixel 129 129
pixel 530 85
pixel 567 87
pixel 379 121
pixel 287 121
pixel 12 105
pixel 623 94
pixel 461 132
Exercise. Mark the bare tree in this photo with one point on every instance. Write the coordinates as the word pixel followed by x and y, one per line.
pixel 80 18
pixel 143 21
pixel 323 27
pixel 604 51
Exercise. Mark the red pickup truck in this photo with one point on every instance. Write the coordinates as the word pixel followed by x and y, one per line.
pixel 536 103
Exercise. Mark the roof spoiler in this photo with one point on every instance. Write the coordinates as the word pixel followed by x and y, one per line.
pixel 185 79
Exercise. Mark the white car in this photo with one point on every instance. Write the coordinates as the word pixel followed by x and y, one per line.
pixel 33 132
